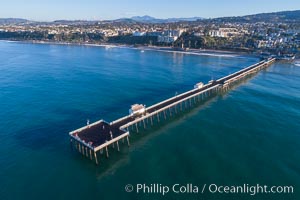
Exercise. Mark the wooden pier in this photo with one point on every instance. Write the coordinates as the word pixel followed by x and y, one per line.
pixel 98 136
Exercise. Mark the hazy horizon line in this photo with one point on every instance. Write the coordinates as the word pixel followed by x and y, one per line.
pixel 143 15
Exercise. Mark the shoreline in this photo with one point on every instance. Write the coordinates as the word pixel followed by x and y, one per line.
pixel 199 52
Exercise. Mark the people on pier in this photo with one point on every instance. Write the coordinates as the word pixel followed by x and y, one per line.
pixel 111 135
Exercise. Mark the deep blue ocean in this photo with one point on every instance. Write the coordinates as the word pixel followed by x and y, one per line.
pixel 250 135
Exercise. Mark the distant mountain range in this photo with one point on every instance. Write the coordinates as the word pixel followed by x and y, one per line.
pixel 274 17
pixel 4 21
pixel 149 19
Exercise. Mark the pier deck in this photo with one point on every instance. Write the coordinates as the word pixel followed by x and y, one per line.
pixel 101 134
pixel 98 134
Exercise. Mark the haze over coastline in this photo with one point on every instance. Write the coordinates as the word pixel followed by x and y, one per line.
pixel 109 10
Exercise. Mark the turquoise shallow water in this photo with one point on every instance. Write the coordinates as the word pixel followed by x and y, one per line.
pixel 249 135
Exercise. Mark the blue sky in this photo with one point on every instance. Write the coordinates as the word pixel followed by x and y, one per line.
pixel 48 10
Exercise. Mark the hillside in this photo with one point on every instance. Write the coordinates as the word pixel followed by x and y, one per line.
pixel 274 17
pixel 5 21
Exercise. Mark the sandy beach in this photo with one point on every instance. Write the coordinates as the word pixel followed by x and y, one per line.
pixel 201 52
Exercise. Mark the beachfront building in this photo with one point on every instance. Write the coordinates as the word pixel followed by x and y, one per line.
pixel 170 36
pixel 225 32
pixel 216 33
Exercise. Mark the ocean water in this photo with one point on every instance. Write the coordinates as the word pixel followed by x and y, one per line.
pixel 249 135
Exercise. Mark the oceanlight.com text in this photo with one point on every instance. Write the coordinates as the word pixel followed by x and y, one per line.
pixel 189 188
